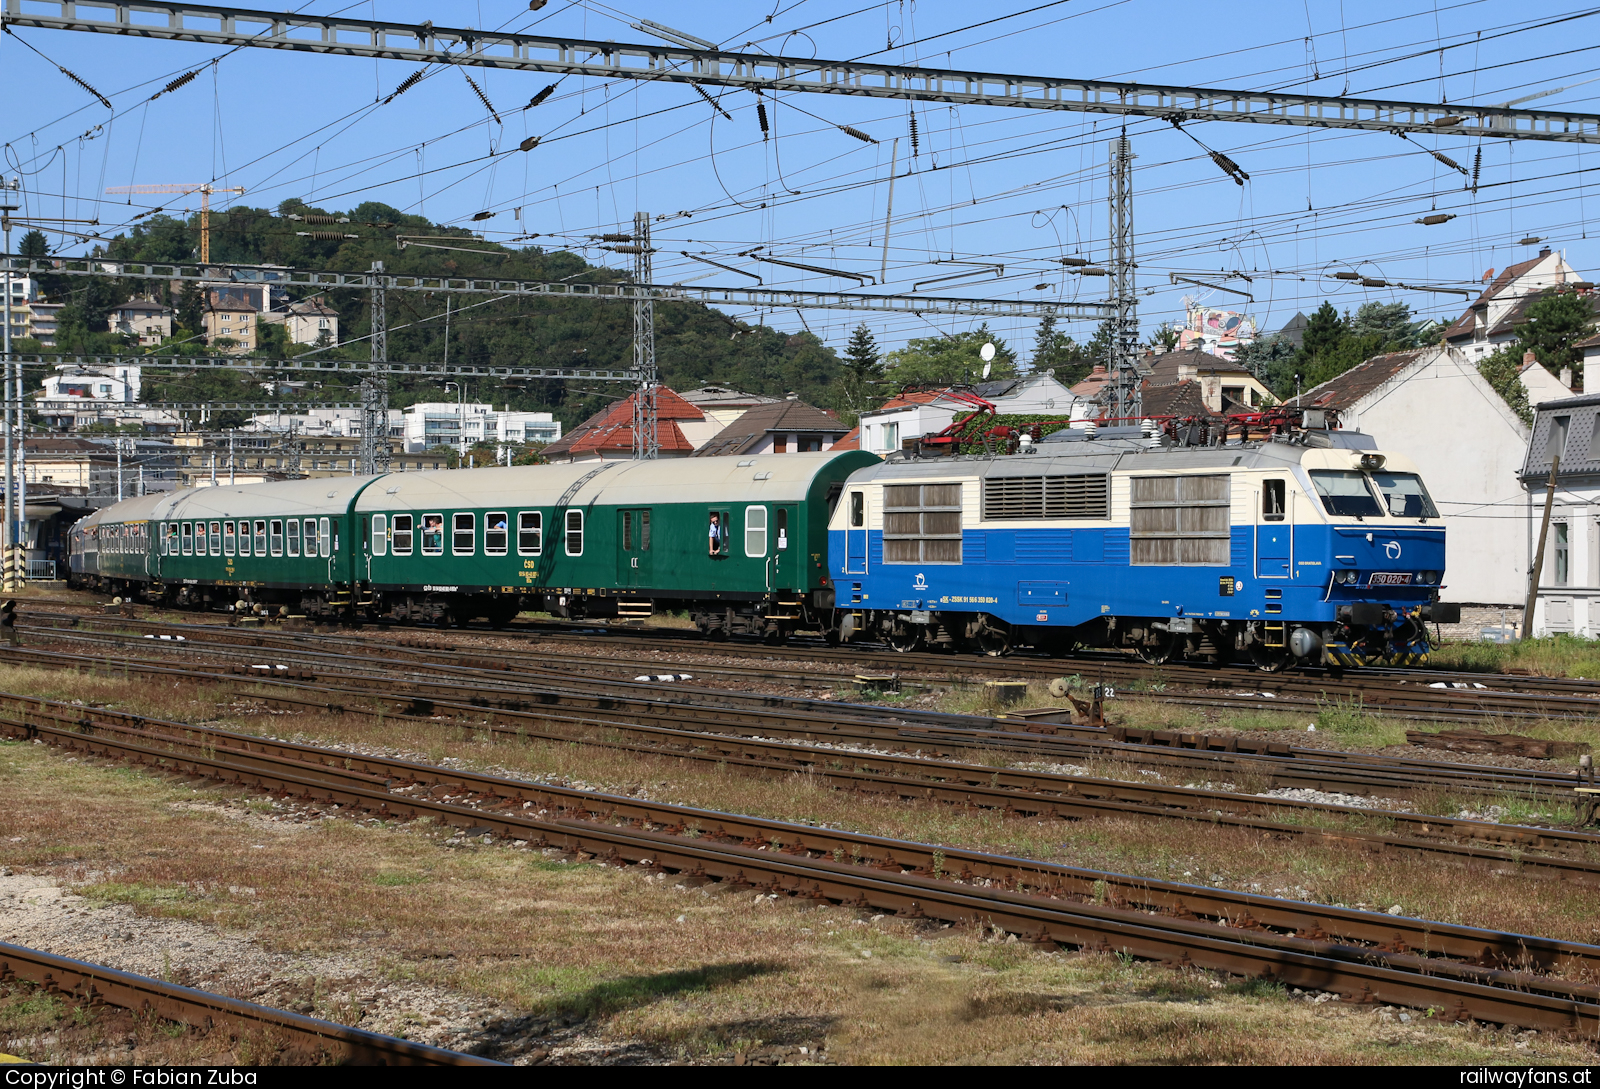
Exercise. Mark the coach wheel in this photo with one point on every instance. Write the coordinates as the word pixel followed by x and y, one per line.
pixel 1158 654
pixel 904 637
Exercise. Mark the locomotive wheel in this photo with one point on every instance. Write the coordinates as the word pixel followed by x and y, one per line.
pixel 1270 659
pixel 1160 654
pixel 904 638
pixel 994 642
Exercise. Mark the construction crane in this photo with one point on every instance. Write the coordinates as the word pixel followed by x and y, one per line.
pixel 205 189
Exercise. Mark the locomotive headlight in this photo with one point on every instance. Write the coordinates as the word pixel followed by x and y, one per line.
pixel 1429 577
pixel 1345 578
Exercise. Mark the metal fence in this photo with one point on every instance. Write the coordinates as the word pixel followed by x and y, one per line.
pixel 41 570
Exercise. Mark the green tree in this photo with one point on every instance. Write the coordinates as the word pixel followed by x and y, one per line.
pixel 1324 331
pixel 1503 370
pixel 949 360
pixel 1555 323
pixel 1164 336
pixel 1391 320
pixel 862 356
pixel 34 244
pixel 1056 351
pixel 1272 360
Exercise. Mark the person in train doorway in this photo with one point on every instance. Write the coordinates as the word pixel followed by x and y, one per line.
pixel 715 538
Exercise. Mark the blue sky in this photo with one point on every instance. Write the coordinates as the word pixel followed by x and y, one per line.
pixel 993 187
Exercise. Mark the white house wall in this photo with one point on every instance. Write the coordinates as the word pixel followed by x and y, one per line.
pixel 1469 446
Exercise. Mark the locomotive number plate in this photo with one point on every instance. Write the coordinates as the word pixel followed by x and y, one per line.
pixel 1390 578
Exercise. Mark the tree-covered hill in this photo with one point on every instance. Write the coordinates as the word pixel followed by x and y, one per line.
pixel 695 344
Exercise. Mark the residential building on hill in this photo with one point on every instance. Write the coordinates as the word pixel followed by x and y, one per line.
pixel 787 426
pixel 1431 405
pixel 449 423
pixel 1491 319
pixel 721 406
pixel 308 321
pixel 228 316
pixel 145 319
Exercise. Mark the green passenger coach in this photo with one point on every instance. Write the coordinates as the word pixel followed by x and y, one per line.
pixel 739 542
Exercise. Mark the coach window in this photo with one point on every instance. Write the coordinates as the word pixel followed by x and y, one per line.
pixel 1273 503
pixel 755 531
pixel 244 538
pixel 261 537
pixel 463 540
pixel 380 534
pixel 858 510
pixel 324 539
pixel 433 534
pixel 216 538
pixel 495 532
pixel 311 537
pixel 294 536
pixel 718 531
pixel 530 533
pixel 277 536
pixel 188 538
pixel 402 535
pixel 227 538
pixel 574 532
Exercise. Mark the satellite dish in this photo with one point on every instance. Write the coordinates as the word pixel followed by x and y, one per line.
pixel 987 367
pixel 986 353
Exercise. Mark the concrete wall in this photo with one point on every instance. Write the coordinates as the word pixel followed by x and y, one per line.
pixel 1443 415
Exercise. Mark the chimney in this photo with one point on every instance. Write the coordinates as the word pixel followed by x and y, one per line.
pixel 1545 252
pixel 1528 359
pixel 1566 377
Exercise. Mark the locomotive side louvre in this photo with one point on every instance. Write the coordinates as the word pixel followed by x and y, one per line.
pixel 1205 550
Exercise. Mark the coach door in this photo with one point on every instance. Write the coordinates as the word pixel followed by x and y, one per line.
pixel 1274 530
pixel 855 532
pixel 633 552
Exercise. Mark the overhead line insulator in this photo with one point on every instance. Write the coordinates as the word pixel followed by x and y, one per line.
pixel 1435 220
pixel 175 84
pixel 405 85
pixel 529 144
pixel 326 236
pixel 849 130
pixel 540 97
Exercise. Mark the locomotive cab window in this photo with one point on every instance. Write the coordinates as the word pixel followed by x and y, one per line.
pixel 433 534
pixel 495 531
pixel 530 533
pixel 1274 501
pixel 402 534
pixel 755 532
pixel 464 537
pixel 294 536
pixel 1404 495
pixel 574 532
pixel 1345 493
pixel 277 536
pixel 188 538
pixel 858 510
pixel 380 534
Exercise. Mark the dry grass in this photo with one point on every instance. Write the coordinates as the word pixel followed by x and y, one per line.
pixel 693 974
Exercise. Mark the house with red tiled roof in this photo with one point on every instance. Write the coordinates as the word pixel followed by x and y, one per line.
pixel 1432 406
pixel 608 434
pixel 1491 319
pixel 781 427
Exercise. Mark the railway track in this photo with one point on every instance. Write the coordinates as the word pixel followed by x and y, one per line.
pixel 496 688
pixel 1465 972
pixel 298 1040
pixel 1561 854
pixel 1463 698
